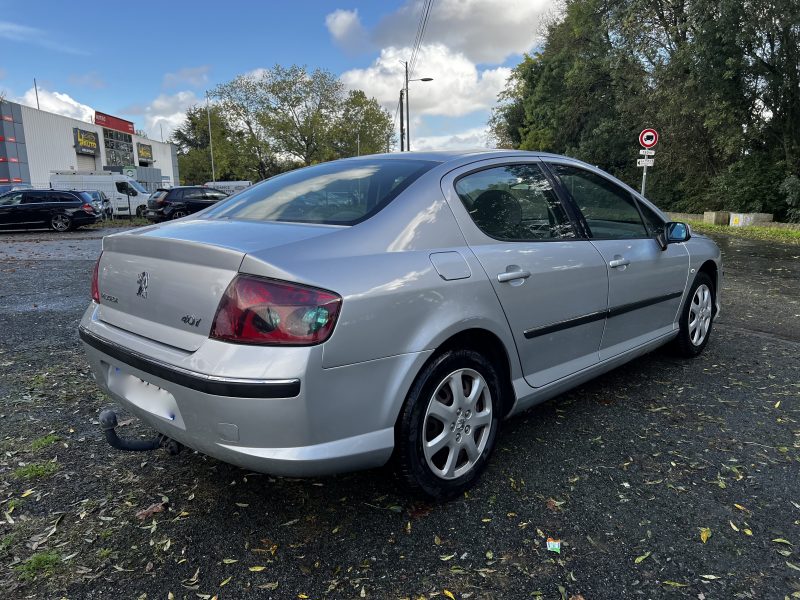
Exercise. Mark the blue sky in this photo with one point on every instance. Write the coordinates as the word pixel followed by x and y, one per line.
pixel 148 61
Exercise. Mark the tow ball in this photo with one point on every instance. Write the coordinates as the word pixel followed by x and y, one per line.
pixel 108 423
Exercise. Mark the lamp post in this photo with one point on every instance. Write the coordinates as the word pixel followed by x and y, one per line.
pixel 408 111
pixel 210 141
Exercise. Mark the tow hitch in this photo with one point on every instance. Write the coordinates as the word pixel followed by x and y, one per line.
pixel 108 423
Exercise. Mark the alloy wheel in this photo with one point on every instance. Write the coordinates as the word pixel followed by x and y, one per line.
pixel 457 424
pixel 700 313
pixel 60 222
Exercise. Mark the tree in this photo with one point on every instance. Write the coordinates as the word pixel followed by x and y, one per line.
pixel 719 79
pixel 362 127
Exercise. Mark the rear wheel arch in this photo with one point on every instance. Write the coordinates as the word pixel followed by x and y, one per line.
pixel 489 345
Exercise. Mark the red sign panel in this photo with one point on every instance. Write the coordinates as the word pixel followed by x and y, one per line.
pixel 648 138
pixel 110 122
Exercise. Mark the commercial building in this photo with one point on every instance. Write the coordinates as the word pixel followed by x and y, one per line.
pixel 33 143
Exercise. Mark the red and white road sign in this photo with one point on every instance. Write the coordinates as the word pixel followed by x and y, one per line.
pixel 648 138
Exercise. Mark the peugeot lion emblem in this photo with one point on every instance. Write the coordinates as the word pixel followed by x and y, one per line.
pixel 142 280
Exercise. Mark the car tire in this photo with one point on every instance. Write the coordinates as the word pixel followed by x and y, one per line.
pixel 443 439
pixel 60 222
pixel 697 317
pixel 140 210
pixel 178 214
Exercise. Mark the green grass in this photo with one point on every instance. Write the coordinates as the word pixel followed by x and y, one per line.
pixel 6 542
pixel 118 222
pixel 35 470
pixel 754 232
pixel 44 441
pixel 41 563
pixel 15 503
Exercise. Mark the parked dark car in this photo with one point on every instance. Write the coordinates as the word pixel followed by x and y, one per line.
pixel 60 210
pixel 101 203
pixel 181 201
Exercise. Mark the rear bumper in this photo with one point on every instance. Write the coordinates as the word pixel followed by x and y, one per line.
pixel 297 420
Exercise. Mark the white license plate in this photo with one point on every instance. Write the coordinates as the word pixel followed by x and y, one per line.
pixel 145 395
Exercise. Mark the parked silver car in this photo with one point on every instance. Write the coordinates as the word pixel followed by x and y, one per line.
pixel 398 305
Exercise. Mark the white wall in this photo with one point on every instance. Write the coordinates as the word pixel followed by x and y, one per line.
pixel 50 145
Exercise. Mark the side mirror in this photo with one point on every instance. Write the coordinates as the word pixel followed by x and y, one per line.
pixel 677 232
pixel 674 233
pixel 132 192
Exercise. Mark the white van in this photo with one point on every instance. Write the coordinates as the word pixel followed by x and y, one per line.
pixel 229 187
pixel 117 187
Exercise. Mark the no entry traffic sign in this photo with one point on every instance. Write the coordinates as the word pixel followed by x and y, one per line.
pixel 648 138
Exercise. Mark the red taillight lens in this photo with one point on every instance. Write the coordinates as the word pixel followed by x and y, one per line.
pixel 263 311
pixel 88 208
pixel 95 284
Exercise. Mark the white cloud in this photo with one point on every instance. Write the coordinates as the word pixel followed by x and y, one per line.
pixel 458 88
pixel 485 31
pixel 57 102
pixel 191 76
pixel 346 29
pixel 167 111
pixel 470 139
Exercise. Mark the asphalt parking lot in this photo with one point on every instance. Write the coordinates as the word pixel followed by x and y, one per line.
pixel 665 478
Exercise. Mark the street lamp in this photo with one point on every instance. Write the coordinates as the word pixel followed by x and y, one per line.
pixel 408 115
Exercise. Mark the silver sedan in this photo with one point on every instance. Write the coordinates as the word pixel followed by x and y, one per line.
pixel 391 306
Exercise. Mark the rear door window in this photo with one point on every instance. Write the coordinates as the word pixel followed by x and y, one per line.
pixel 514 203
pixel 34 197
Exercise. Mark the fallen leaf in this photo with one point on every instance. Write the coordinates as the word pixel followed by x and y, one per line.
pixel 795 567
pixel 643 557
pixel 449 594
pixel 257 569
pixel 734 527
pixel 675 584
pixel 230 561
pixel 226 582
pixel 26 493
pixel 446 557
pixel 437 540
pixel 273 585
pixel 148 512
pixel 740 507
pixel 747 532
pixel 782 541
pixel 705 534
pixel 489 554
pixel 709 576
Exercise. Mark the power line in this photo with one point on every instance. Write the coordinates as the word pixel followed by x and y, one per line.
pixel 423 23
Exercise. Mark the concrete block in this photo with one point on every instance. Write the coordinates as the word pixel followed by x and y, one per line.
pixel 716 217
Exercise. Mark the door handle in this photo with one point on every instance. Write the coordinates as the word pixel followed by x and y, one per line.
pixel 618 262
pixel 512 275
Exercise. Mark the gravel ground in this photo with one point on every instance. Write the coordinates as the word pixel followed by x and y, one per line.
pixel 663 479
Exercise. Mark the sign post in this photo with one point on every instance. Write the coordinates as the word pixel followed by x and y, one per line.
pixel 647 138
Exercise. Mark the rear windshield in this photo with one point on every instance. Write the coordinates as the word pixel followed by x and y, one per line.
pixel 337 193
pixel 85 196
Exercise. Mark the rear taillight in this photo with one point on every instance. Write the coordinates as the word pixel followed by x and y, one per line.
pixel 88 208
pixel 264 311
pixel 95 284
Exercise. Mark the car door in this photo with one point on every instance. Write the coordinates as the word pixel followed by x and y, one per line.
pixel 10 213
pixel 645 282
pixel 34 208
pixel 551 283
pixel 194 199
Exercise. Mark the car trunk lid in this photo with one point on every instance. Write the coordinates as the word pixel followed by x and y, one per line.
pixel 165 283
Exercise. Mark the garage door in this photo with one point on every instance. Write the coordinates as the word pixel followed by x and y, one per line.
pixel 85 163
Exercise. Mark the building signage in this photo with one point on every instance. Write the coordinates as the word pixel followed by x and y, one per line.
pixel 110 122
pixel 86 142
pixel 145 152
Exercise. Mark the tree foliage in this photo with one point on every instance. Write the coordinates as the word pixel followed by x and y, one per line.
pixel 272 120
pixel 719 80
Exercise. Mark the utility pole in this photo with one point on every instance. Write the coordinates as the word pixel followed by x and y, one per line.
pixel 402 126
pixel 408 114
pixel 210 141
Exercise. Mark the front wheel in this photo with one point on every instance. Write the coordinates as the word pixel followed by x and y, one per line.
pixel 448 425
pixel 60 222
pixel 697 317
pixel 140 210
